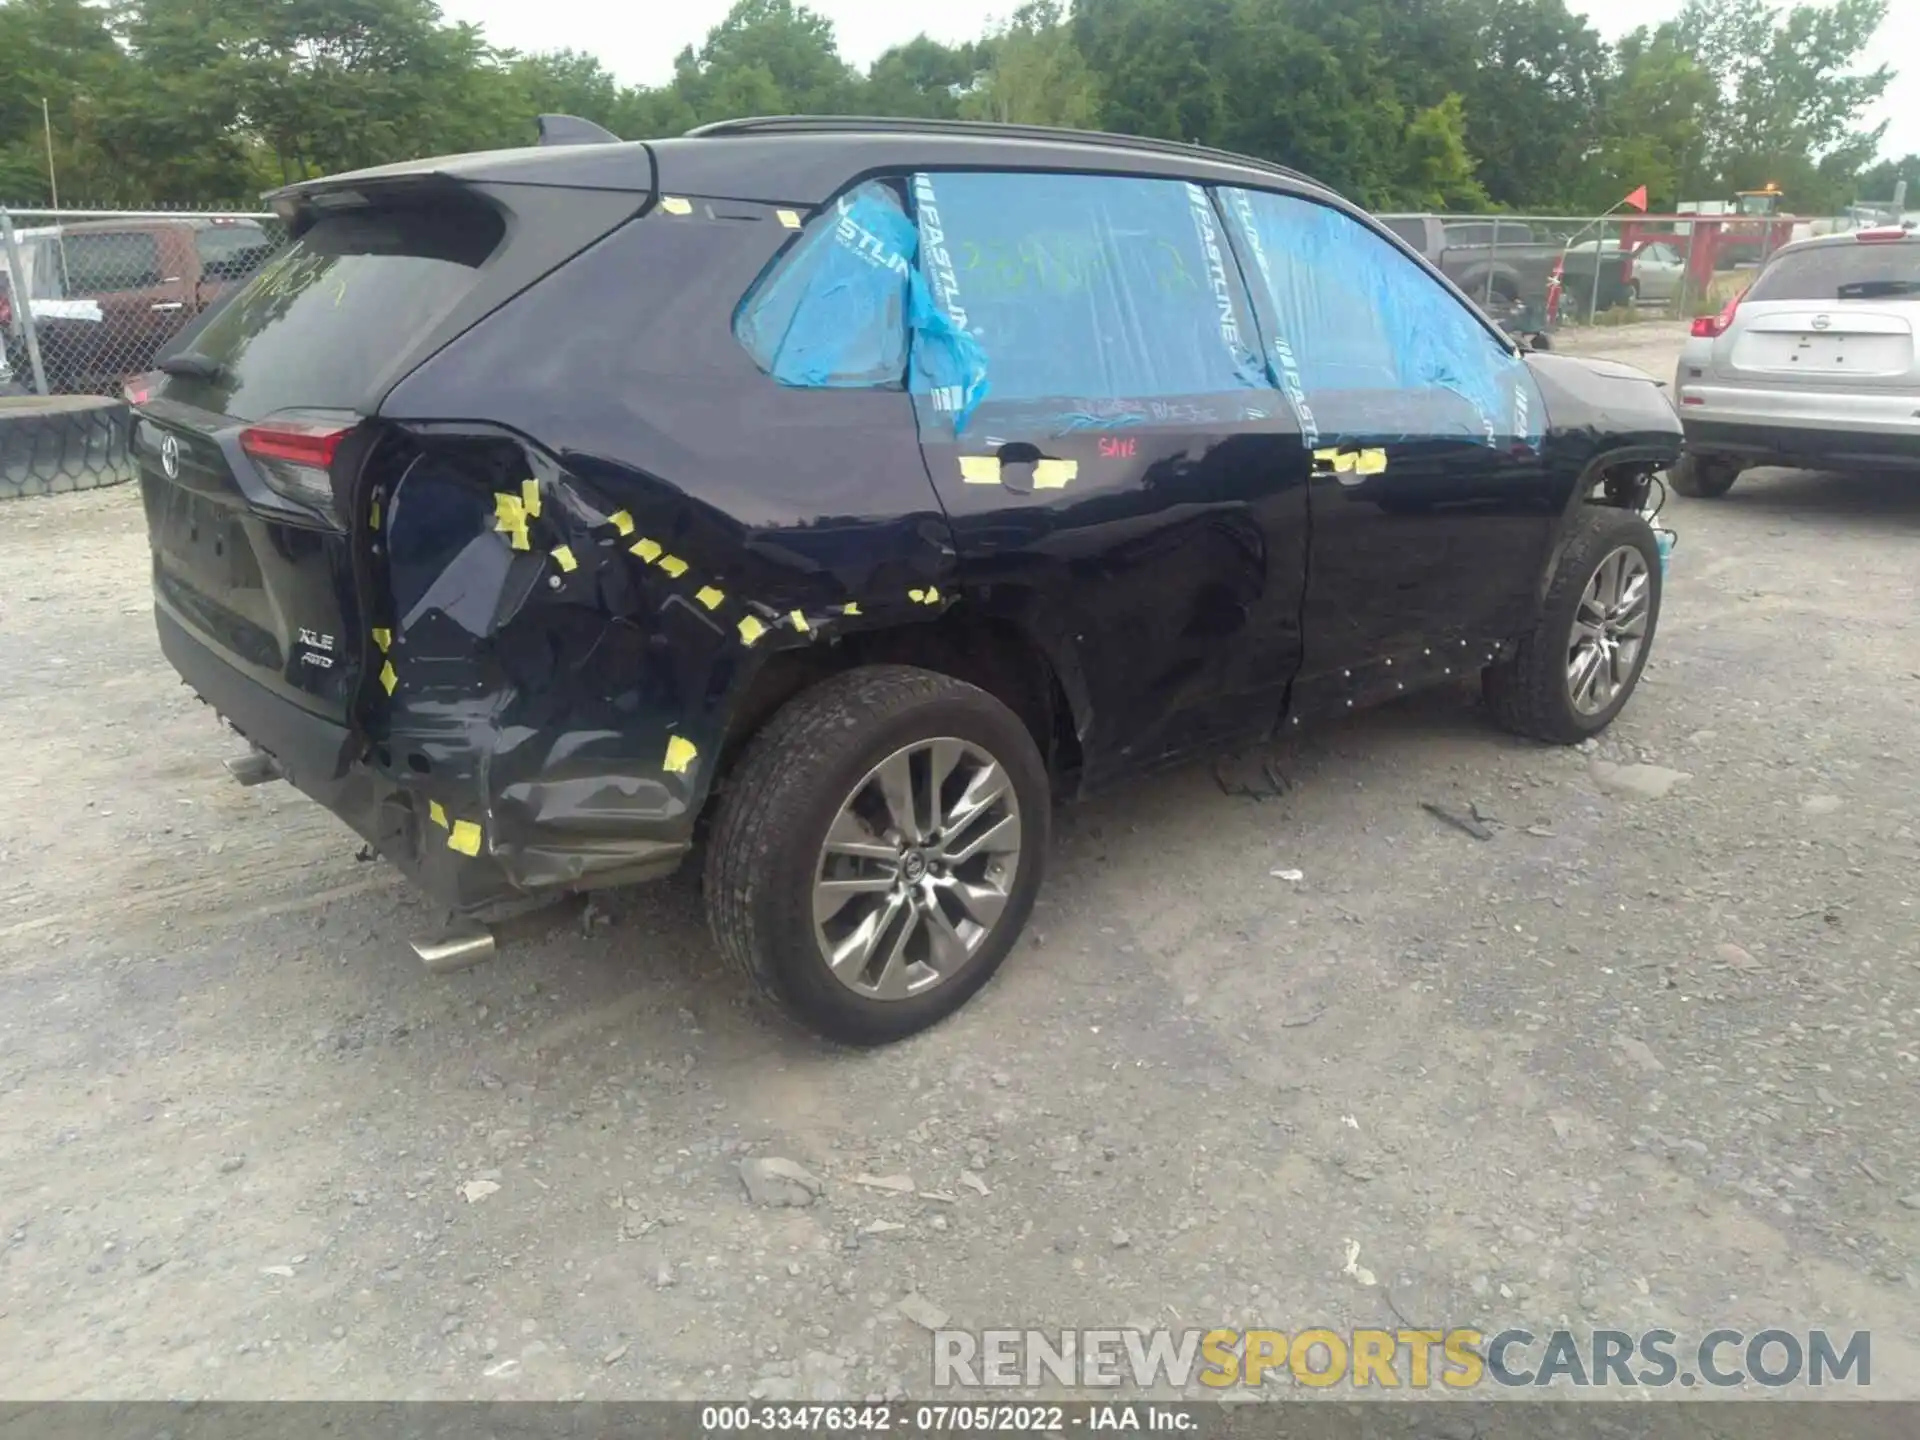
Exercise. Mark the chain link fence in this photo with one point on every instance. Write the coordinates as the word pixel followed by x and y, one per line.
pixel 88 300
pixel 1535 272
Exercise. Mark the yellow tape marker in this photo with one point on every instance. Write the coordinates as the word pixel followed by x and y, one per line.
pixel 510 519
pixel 373 516
pixel 751 630
pixel 710 597
pixel 437 813
pixel 384 639
pixel 799 621
pixel 674 205
pixel 621 521
pixel 673 565
pixel 464 837
pixel 980 469
pixel 389 677
pixel 680 754
pixel 928 596
pixel 1054 474
pixel 1351 462
pixel 563 557
pixel 530 497
pixel 647 550
pixel 852 607
pixel 789 218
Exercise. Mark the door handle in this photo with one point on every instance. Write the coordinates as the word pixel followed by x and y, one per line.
pixel 167 305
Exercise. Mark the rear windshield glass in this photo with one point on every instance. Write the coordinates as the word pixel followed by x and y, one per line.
pixel 1861 271
pixel 333 312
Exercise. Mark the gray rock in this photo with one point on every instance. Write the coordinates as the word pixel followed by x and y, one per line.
pixel 1912 1202
pixel 232 1163
pixel 775 1182
pixel 922 1312
pixel 1638 1052
pixel 1638 782
pixel 1820 804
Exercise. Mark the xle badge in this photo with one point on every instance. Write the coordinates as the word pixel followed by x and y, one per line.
pixel 319 649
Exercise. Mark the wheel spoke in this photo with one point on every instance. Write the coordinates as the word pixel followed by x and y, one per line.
pixel 1000 838
pixel 895 779
pixel 892 981
pixel 830 897
pixel 1615 570
pixel 943 757
pixel 1633 627
pixel 849 837
pixel 851 956
pixel 983 790
pixel 946 950
pixel 983 904
pixel 1585 671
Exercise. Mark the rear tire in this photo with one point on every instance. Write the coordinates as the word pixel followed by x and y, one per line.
pixel 814 768
pixel 1544 690
pixel 1703 477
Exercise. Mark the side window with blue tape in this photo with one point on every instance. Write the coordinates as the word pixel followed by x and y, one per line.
pixel 832 313
pixel 1070 302
pixel 1366 343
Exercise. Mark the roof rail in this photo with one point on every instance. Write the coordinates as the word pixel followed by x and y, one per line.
pixel 986 129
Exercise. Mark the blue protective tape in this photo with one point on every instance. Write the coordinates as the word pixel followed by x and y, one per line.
pixel 1076 289
pixel 1365 344
pixel 834 313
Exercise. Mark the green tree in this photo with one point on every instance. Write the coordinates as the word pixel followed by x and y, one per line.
pixel 1034 73
pixel 1530 74
pixel 921 78
pixel 1875 184
pixel 767 57
pixel 61 51
pixel 1789 106
pixel 1652 127
pixel 1439 173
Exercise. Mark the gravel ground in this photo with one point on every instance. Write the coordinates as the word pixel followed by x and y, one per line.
pixel 1636 1060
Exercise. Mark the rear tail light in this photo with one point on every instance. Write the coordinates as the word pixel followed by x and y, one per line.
pixel 1707 327
pixel 137 391
pixel 1883 234
pixel 295 458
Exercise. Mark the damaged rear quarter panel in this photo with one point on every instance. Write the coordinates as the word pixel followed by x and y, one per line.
pixel 579 592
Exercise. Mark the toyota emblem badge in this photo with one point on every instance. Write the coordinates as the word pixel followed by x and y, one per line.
pixel 170 456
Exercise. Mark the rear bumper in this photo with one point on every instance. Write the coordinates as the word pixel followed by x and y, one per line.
pixel 516 858
pixel 1804 446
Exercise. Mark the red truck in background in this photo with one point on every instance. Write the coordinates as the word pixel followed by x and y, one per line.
pixel 107 295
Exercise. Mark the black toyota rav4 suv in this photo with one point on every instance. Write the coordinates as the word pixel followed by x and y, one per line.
pixel 834 494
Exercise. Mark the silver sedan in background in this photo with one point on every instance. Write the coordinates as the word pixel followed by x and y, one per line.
pixel 1815 365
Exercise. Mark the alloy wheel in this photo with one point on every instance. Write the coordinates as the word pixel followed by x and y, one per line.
pixel 916 868
pixel 1609 630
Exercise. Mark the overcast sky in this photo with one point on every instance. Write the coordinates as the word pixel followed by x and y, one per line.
pixel 637 42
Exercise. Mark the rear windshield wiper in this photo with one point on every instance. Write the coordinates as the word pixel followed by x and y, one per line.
pixel 192 366
pixel 1874 289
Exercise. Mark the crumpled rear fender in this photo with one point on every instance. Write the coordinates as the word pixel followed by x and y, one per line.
pixel 558 645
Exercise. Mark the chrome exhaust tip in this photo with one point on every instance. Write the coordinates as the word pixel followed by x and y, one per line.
pixel 455 952
pixel 254 768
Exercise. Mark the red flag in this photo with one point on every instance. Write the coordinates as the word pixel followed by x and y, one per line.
pixel 1638 200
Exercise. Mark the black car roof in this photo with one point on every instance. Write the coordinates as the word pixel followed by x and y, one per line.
pixel 805 160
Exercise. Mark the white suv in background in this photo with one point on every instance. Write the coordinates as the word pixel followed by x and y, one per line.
pixel 1816 364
